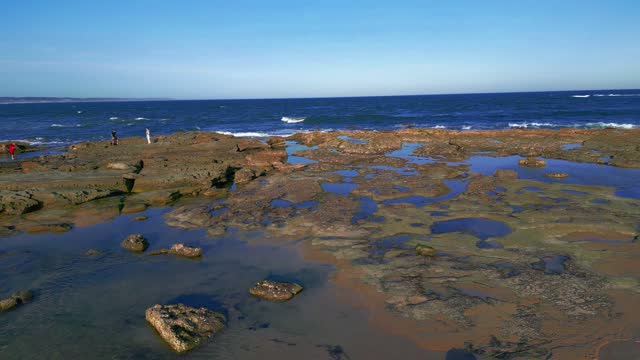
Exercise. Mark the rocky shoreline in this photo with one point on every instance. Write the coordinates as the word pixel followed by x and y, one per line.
pixel 541 266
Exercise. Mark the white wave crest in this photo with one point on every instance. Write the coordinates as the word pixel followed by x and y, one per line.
pixel 140 118
pixel 439 127
pixel 244 134
pixel 602 125
pixel 466 127
pixel 114 118
pixel 292 120
pixel 580 96
pixel 525 125
pixel 65 126
pixel 615 95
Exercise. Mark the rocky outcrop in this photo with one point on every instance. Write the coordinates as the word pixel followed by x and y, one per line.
pixel 532 162
pixel 17 298
pixel 136 243
pixel 18 202
pixel 275 291
pixel 244 175
pixel 180 250
pixel 183 327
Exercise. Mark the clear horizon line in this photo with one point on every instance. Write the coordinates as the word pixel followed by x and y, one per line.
pixel 157 98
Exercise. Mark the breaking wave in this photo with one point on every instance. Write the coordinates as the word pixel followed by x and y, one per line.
pixel 525 125
pixel 292 120
pixel 615 95
pixel 114 118
pixel 244 134
pixel 602 125
pixel 580 96
pixel 466 127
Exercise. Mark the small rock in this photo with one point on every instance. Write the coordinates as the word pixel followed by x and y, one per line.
pixel 17 298
pixel 275 291
pixel 183 327
pixel 186 251
pixel 425 250
pixel 557 175
pixel 135 242
pixel 119 166
pixel 93 252
pixel 532 162
pixel 140 218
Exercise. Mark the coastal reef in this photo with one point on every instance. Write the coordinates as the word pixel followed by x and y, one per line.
pixel 503 244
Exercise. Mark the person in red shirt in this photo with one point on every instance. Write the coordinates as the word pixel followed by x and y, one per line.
pixel 12 150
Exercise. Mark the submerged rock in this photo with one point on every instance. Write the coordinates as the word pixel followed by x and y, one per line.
pixel 93 252
pixel 425 250
pixel 140 218
pixel 135 242
pixel 532 162
pixel 184 327
pixel 275 291
pixel 17 298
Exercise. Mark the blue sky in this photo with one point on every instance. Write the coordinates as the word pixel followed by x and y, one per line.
pixel 249 49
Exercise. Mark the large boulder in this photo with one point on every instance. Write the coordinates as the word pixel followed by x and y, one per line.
pixel 135 242
pixel 183 327
pixel 275 291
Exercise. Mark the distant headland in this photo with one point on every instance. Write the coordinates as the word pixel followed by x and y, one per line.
pixel 29 100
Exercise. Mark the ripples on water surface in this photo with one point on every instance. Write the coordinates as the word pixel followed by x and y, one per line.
pixel 93 307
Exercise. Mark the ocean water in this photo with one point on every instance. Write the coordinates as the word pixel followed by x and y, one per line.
pixel 64 123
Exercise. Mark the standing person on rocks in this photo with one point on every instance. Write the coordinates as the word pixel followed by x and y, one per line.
pixel 114 138
pixel 148 133
pixel 12 150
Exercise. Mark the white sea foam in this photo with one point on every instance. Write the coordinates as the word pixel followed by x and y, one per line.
pixel 244 134
pixel 615 95
pixel 292 120
pixel 580 96
pixel 140 118
pixel 466 127
pixel 439 127
pixel 602 125
pixel 65 126
pixel 114 118
pixel 525 125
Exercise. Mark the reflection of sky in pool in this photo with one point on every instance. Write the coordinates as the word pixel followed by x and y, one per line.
pixel 625 180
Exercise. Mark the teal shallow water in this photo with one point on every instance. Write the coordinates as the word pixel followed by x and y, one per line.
pixel 93 307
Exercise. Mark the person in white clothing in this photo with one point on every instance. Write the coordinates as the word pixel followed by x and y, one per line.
pixel 148 133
